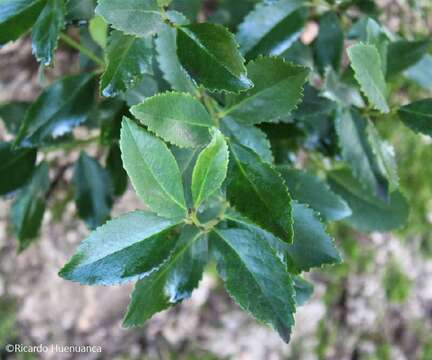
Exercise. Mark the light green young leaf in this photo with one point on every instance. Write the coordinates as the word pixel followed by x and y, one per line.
pixel 278 88
pixel 46 31
pixel 153 170
pixel 178 118
pixel 127 248
pixel 210 169
pixel 133 17
pixel 98 30
pixel 208 52
pixel 173 282
pixel 418 116
pixel 366 63
pixel 257 191
pixel 255 277
pixel 129 58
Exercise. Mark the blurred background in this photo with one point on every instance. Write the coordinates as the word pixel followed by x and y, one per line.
pixel 376 305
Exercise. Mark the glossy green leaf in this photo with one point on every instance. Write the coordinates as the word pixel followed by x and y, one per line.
pixel 178 118
pixel 311 190
pixel 249 136
pixel 133 17
pixel 93 192
pixel 63 105
pixel 368 212
pixel 129 58
pixel 108 116
pixel 210 169
pixel 366 63
pixel 255 277
pixel 358 153
pixel 16 167
pixel 116 172
pixel 46 31
pixel 421 72
pixel 329 43
pixel 277 91
pixel 98 30
pixel 173 282
pixel 18 16
pixel 303 290
pixel 12 115
pixel 173 72
pixel 402 54
pixel 29 206
pixel 208 52
pixel 418 116
pixel 270 28
pixel 153 170
pixel 257 191
pixel 126 248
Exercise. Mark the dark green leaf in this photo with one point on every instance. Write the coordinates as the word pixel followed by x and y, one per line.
pixel 117 173
pixel 421 72
pixel 129 58
pixel 278 88
pixel 418 116
pixel 298 53
pixel 80 9
pixel 18 16
pixel 13 114
pixel 108 117
pixel 210 169
pixel 63 105
pixel 153 170
pixel 29 206
pixel 133 17
pixel 16 167
pixel 249 136
pixel 303 290
pixel 126 248
pixel 93 192
pixel 188 7
pixel 178 118
pixel 46 31
pixel 329 43
pixel 255 277
pixel 368 212
pixel 309 189
pixel 313 104
pixel 257 190
pixel 148 87
pixel 367 66
pixel 208 52
pixel 270 28
pixel 173 282
pixel 402 54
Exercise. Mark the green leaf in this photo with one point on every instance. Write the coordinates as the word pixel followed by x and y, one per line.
pixel 126 248
pixel 313 105
pixel 210 169
pixel 153 170
pixel 93 192
pixel 403 54
pixel 309 189
pixel 255 278
pixel 418 116
pixel 257 191
pixel 18 16
pixel 359 154
pixel 108 117
pixel 46 31
pixel 270 28
pixel 421 72
pixel 133 17
pixel 16 167
pixel 116 172
pixel 63 105
pixel 129 58
pixel 249 136
pixel 29 206
pixel 173 282
pixel 80 10
pixel 98 30
pixel 277 91
pixel 13 114
pixel 173 72
pixel 208 52
pixel 303 290
pixel 176 117
pixel 366 63
pixel 377 36
pixel 368 212
pixel 329 43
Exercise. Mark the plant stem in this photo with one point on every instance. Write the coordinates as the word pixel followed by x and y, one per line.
pixel 86 51
pixel 209 104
